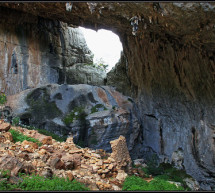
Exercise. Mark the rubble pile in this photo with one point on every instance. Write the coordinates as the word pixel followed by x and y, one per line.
pixel 97 169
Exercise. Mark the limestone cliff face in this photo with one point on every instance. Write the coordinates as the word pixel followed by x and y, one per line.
pixel 175 92
pixel 90 113
pixel 37 51
pixel 171 69
pixel 118 77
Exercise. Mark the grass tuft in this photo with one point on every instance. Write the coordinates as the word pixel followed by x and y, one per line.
pixel 40 183
pixel 134 183
pixel 17 136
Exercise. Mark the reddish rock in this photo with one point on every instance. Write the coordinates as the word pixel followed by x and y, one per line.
pixel 46 140
pixel 70 175
pixel 24 156
pixel 48 149
pixel 28 168
pixel 76 151
pixel 11 163
pixel 99 163
pixel 28 146
pixel 57 163
pixel 38 163
pixel 73 160
pixel 47 173
pixel 45 157
pixel 102 95
pixel 5 127
pixel 6 136
pixel 42 152
pixel 40 137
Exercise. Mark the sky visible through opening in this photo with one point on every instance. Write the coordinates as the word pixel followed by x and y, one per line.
pixel 103 44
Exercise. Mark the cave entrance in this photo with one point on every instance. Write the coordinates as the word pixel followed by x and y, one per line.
pixel 105 45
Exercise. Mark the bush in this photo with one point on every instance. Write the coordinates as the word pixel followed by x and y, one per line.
pixel 4 176
pixel 4 185
pixel 159 184
pixel 17 136
pixel 97 107
pixel 3 99
pixel 133 183
pixel 15 121
pixel 40 183
pixel 76 114
pixel 45 132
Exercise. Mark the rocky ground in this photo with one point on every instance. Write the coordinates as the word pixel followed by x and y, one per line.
pixel 97 169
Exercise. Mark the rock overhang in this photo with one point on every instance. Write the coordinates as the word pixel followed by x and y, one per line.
pixel 189 22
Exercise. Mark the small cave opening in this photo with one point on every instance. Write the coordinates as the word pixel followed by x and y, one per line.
pixel 105 46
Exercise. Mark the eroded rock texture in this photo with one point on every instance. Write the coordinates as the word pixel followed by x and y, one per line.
pixel 93 115
pixel 37 51
pixel 171 70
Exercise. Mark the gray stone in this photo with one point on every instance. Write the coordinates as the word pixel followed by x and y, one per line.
pixel 83 73
pixel 95 113
pixel 192 184
pixel 178 159
pixel 38 52
pixel 118 77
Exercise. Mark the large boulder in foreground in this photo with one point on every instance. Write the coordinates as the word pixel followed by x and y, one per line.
pixel 93 115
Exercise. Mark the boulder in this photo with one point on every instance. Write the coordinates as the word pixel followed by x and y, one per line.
pixel 47 172
pixel 4 127
pixel 121 176
pixel 72 161
pixel 6 136
pixel 56 163
pixel 28 146
pixel 92 115
pixel 11 163
pixel 192 184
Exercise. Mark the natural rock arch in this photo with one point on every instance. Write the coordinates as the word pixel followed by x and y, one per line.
pixel 170 65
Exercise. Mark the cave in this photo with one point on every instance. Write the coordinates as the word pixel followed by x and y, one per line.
pixel 105 46
pixel 167 68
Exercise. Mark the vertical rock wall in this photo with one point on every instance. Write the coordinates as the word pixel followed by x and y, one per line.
pixel 36 51
pixel 175 90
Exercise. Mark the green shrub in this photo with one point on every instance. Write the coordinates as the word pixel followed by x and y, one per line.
pixel 4 185
pixel 76 114
pixel 17 136
pixel 172 174
pixel 4 176
pixel 45 132
pixel 3 99
pixel 159 184
pixel 166 172
pixel 133 183
pixel 15 121
pixel 97 107
pixel 54 136
pixel 5 173
pixel 40 183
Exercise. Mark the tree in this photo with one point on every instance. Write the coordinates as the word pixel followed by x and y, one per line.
pixel 101 64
